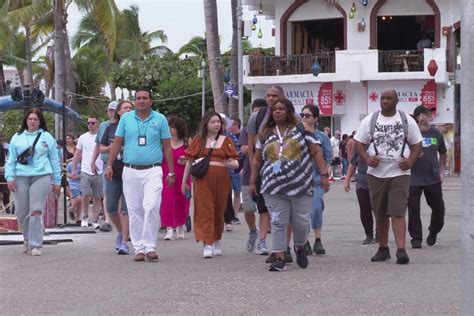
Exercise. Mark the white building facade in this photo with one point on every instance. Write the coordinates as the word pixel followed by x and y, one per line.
pixel 361 47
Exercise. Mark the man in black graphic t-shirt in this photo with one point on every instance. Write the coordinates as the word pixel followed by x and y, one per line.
pixel 427 176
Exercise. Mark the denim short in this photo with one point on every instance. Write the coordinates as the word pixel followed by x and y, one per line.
pixel 114 194
pixel 236 182
pixel 75 193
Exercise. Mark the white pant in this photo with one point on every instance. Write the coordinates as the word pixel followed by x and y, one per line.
pixel 142 191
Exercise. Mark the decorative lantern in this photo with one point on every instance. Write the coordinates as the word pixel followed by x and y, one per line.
pixel 316 68
pixel 361 26
pixel 351 15
pixel 353 8
pixel 365 2
pixel 260 10
pixel 432 67
pixel 254 22
pixel 260 33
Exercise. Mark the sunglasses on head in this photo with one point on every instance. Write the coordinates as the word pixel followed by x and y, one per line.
pixel 306 115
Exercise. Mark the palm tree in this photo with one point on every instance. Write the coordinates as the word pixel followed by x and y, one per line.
pixel 193 47
pixel 33 18
pixel 234 61
pixel 213 51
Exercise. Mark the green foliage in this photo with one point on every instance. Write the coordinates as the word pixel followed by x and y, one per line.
pixel 168 77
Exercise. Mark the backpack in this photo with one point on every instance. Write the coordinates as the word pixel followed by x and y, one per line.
pixel 373 120
pixel 260 117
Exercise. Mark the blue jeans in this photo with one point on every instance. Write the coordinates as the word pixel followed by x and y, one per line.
pixel 345 165
pixel 30 196
pixel 317 208
pixel 114 194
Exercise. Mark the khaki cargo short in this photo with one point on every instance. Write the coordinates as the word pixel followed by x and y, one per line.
pixel 389 196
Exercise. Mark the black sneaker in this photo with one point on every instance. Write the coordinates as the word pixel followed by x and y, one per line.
pixel 307 249
pixel 381 255
pixel 277 265
pixel 402 257
pixel 368 240
pixel 318 248
pixel 416 244
pixel 271 258
pixel 301 259
pixel 287 256
pixel 235 221
pixel 431 239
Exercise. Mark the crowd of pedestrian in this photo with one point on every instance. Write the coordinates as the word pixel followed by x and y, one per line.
pixel 145 170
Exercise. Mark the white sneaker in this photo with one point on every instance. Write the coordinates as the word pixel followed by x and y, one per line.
pixel 217 248
pixel 180 232
pixel 208 249
pixel 95 225
pixel 84 222
pixel 35 252
pixel 169 233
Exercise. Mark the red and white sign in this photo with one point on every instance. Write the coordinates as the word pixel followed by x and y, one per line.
pixel 325 99
pixel 411 93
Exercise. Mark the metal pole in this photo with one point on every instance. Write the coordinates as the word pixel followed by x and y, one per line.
pixel 64 180
pixel 203 88
pixel 240 87
pixel 467 157
pixel 27 98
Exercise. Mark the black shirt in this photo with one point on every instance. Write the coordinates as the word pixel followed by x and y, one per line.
pixel 107 139
pixel 425 171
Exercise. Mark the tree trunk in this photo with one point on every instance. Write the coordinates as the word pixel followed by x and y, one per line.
pixel 29 58
pixel 71 79
pixel 60 79
pixel 214 53
pixel 467 156
pixel 113 94
pixel 233 103
pixel 2 78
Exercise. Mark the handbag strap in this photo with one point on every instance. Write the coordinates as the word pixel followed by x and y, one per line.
pixel 36 141
pixel 211 149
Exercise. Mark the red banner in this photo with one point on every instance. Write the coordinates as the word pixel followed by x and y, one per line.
pixel 325 97
pixel 428 95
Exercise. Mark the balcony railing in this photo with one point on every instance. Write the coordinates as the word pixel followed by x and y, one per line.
pixel 291 64
pixel 401 60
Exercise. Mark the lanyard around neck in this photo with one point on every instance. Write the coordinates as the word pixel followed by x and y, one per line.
pixel 280 140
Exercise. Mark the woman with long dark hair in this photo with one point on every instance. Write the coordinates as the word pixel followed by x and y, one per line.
pixel 210 191
pixel 114 191
pixel 283 157
pixel 30 180
pixel 174 205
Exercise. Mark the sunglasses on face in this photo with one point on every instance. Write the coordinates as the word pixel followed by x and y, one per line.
pixel 91 123
pixel 305 115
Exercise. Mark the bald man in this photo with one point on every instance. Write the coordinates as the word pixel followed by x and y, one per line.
pixel 389 154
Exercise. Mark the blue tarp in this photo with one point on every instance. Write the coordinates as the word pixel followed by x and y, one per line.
pixel 50 105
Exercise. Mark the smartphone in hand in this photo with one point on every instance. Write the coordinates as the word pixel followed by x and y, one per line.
pixel 187 194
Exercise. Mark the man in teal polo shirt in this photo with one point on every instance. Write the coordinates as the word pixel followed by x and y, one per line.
pixel 145 136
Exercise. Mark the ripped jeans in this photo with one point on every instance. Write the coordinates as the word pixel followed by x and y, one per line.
pixel 30 196
pixel 284 210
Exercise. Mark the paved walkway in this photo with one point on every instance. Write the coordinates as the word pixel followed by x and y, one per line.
pixel 87 277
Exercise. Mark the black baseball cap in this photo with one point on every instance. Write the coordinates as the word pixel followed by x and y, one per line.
pixel 421 109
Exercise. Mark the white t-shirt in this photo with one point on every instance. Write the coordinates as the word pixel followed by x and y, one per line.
pixel 388 138
pixel 335 146
pixel 86 144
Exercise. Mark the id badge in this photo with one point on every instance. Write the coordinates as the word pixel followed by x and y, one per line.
pixel 141 140
pixel 277 166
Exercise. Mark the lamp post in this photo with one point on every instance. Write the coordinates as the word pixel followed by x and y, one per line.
pixel 202 75
pixel 240 87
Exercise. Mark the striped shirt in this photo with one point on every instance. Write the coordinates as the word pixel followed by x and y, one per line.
pixel 293 175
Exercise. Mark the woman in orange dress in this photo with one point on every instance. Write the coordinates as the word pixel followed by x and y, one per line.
pixel 210 191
